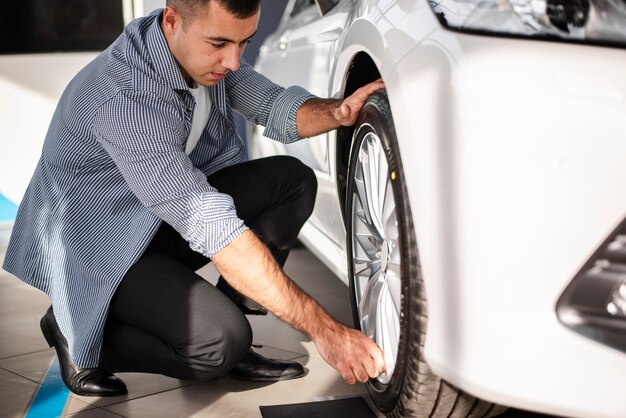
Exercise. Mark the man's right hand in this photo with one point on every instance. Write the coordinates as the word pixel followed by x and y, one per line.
pixel 356 357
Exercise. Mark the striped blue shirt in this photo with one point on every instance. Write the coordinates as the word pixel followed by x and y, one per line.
pixel 113 167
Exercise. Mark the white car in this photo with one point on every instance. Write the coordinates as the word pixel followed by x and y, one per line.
pixel 477 208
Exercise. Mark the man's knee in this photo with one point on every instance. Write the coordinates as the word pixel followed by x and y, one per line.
pixel 214 354
pixel 309 181
pixel 304 182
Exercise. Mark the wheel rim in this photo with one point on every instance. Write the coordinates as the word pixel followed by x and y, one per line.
pixel 376 260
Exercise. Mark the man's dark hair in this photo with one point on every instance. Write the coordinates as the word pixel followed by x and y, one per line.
pixel 189 9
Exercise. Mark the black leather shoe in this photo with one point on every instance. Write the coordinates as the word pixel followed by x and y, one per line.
pixel 81 381
pixel 247 306
pixel 257 368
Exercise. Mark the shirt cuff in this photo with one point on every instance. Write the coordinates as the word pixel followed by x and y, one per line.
pixel 216 226
pixel 281 123
pixel 219 242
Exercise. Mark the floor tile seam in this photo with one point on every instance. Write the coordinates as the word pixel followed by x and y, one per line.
pixel 137 397
pixel 19 375
pixel 32 395
pixel 88 410
pixel 283 349
pixel 30 401
pixel 301 357
pixel 2 359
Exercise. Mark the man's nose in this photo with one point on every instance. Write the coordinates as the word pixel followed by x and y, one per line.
pixel 231 59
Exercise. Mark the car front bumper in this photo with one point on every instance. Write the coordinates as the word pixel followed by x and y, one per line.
pixel 515 160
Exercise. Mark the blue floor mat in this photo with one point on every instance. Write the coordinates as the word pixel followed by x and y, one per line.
pixel 8 210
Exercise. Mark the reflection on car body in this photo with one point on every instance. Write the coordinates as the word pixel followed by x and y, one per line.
pixel 475 209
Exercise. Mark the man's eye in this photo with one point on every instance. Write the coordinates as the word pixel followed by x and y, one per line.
pixel 218 45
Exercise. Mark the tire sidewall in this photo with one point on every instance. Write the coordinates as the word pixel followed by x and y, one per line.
pixel 376 117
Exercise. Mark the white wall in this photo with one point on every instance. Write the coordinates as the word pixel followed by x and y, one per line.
pixel 150 5
pixel 30 87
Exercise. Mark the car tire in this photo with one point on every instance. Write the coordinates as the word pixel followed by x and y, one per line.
pixel 386 287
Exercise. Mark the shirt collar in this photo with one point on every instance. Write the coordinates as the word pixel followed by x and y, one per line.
pixel 164 63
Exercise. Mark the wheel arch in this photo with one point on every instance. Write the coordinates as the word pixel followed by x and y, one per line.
pixel 361 70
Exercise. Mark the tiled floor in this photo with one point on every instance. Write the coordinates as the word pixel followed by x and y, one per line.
pixel 25 357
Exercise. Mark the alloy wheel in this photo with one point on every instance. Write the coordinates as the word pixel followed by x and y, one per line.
pixel 376 260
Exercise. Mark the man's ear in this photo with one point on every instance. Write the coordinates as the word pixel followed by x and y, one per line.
pixel 172 20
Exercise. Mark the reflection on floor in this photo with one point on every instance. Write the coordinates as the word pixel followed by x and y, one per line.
pixel 25 358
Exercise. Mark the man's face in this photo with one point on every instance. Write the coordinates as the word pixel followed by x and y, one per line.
pixel 211 43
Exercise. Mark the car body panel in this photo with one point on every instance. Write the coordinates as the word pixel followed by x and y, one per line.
pixel 506 212
pixel 294 49
pixel 514 163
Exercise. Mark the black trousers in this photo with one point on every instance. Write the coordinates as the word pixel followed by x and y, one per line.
pixel 166 319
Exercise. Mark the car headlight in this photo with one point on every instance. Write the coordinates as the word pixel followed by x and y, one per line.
pixel 595 21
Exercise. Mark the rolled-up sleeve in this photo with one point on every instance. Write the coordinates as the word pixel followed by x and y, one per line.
pixel 145 137
pixel 265 103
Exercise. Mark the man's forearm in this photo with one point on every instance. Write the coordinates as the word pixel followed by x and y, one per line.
pixel 249 267
pixel 317 116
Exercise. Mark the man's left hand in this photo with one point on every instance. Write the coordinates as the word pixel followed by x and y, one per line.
pixel 347 113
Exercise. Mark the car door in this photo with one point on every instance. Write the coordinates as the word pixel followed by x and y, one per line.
pixel 301 53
